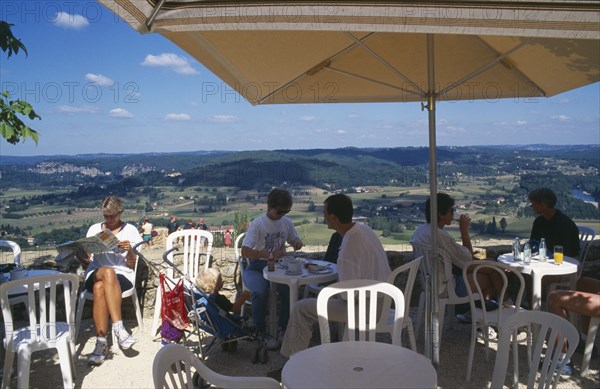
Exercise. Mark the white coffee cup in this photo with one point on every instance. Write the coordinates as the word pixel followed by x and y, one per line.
pixel 285 261
pixel 17 274
pixel 294 266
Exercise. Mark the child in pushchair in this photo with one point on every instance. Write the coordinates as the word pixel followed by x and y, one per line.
pixel 202 310
pixel 210 283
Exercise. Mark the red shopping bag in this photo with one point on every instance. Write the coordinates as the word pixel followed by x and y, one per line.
pixel 173 308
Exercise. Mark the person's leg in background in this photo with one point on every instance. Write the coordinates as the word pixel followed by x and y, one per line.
pixel 259 289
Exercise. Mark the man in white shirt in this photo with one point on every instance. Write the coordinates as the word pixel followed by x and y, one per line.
pixel 361 256
pixel 461 255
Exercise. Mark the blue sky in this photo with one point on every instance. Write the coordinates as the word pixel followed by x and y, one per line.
pixel 100 86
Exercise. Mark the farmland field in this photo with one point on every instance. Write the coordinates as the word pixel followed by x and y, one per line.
pixel 202 201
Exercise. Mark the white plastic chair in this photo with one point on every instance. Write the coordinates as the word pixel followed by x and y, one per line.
pixel 42 330
pixel 16 250
pixel 481 318
pixel 386 322
pixel 586 236
pixel 553 332
pixel 191 248
pixel 448 296
pixel 85 295
pixel 362 296
pixel 175 366
pixel 589 344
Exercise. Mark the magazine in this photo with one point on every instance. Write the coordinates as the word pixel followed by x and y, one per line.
pixel 100 243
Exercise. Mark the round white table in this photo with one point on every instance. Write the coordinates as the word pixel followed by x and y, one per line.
pixel 537 270
pixel 280 276
pixel 358 365
pixel 18 290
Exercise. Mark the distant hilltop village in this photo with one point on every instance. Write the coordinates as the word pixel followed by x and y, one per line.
pixel 69 168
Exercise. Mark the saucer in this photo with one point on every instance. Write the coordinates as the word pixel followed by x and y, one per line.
pixel 320 271
pixel 290 273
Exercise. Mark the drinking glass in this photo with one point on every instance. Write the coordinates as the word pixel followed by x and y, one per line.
pixel 558 255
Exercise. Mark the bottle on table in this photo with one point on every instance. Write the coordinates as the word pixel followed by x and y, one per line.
pixel 517 250
pixel 527 253
pixel 543 250
pixel 271 262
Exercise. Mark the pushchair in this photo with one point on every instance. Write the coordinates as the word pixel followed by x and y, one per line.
pixel 211 325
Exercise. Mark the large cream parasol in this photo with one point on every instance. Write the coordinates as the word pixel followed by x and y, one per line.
pixel 282 52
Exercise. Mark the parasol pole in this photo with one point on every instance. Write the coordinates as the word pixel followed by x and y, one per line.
pixel 432 345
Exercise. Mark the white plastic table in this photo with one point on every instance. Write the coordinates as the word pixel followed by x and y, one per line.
pixel 18 290
pixel 279 276
pixel 358 365
pixel 538 270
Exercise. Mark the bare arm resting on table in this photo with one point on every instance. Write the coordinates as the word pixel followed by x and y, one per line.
pixel 249 253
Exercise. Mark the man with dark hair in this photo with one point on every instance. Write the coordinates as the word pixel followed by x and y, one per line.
pixel 460 255
pixel 340 205
pixel 551 224
pixel 445 203
pixel 266 236
pixel 361 256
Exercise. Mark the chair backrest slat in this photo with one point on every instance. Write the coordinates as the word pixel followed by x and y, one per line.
pixel 446 282
pixel 586 235
pixel 194 248
pixel 370 303
pixel 16 250
pixel 41 304
pixel 553 333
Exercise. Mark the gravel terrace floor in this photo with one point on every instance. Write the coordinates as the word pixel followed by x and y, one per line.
pixel 134 368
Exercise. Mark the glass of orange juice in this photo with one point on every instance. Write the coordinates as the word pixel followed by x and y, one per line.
pixel 558 255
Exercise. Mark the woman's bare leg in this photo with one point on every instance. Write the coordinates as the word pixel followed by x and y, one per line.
pixel 107 299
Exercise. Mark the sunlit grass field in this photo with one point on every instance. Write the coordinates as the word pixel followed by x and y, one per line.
pixel 306 213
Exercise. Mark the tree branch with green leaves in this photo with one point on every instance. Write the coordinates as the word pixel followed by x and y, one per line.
pixel 12 128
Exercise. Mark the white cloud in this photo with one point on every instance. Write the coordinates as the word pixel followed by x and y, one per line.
pixel 71 109
pixel 99 79
pixel 224 118
pixel 341 131
pixel 451 130
pixel 178 117
pixel 120 113
pixel 521 122
pixel 170 61
pixel 66 20
pixel 353 116
pixel 561 118
pixel 308 118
